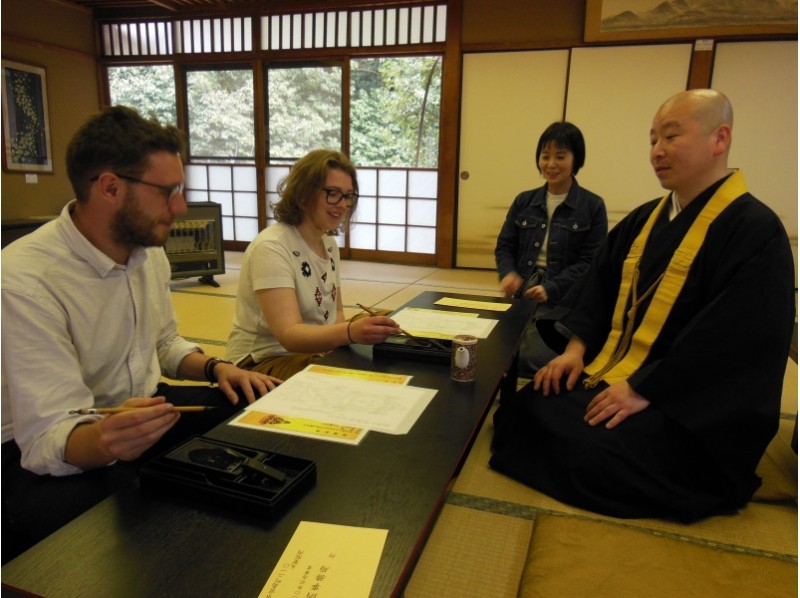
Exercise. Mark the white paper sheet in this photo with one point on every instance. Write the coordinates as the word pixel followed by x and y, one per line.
pixel 378 406
pixel 435 323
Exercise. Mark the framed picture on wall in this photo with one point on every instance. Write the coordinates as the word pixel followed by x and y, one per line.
pixel 614 20
pixel 26 124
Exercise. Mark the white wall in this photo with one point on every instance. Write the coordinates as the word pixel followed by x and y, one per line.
pixel 760 79
pixel 612 93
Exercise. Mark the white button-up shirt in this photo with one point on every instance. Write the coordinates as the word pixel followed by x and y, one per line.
pixel 79 330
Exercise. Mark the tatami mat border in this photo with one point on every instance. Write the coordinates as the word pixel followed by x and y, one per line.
pixel 501 507
pixel 203 293
pixel 206 341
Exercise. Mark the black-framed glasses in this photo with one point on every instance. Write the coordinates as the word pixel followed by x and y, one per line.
pixel 171 191
pixel 334 196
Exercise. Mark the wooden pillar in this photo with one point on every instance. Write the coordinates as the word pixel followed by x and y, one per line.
pixel 702 64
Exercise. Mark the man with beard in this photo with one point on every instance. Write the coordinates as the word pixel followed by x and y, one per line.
pixel 88 322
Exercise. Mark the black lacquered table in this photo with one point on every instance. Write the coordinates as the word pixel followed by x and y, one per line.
pixel 134 544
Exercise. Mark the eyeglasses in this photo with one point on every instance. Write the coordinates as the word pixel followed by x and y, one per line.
pixel 170 191
pixel 334 196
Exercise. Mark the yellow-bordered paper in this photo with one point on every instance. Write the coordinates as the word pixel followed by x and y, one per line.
pixel 358 374
pixel 472 304
pixel 299 426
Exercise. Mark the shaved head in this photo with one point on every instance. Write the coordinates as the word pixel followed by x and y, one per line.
pixel 709 107
pixel 690 139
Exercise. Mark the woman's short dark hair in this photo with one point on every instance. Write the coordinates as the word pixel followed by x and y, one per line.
pixel 300 189
pixel 120 140
pixel 566 136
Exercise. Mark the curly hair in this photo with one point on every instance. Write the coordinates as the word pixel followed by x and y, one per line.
pixel 118 139
pixel 298 191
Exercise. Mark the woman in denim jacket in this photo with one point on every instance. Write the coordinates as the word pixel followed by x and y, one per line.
pixel 550 235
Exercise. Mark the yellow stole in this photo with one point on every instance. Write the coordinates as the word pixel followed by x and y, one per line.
pixel 625 350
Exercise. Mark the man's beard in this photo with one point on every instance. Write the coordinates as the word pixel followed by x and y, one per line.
pixel 132 228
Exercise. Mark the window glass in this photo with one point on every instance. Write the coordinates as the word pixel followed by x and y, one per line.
pixel 246 204
pixel 391 238
pixel 392 183
pixel 221 114
pixel 244 178
pixel 196 176
pixel 362 236
pixel 421 240
pixel 423 183
pixel 246 229
pixel 422 211
pixel 219 178
pixel 367 181
pixel 395 105
pixel 304 111
pixel 366 211
pixel 148 89
pixel 392 211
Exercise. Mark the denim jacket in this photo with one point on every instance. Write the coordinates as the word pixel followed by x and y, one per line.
pixel 578 229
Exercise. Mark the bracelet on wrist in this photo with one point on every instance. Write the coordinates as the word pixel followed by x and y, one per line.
pixel 348 332
pixel 208 368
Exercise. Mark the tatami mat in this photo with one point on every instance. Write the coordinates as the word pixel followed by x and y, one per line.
pixel 204 317
pixel 593 559
pixel 379 295
pixel 462 552
pixel 378 272
pixel 472 554
pixel 760 527
pixel 789 397
pixel 228 284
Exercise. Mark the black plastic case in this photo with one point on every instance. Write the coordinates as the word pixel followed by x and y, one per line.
pixel 403 347
pixel 230 475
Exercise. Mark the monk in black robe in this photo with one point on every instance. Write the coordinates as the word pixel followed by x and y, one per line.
pixel 668 390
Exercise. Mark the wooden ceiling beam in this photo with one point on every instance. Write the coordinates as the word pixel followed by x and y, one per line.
pixel 164 4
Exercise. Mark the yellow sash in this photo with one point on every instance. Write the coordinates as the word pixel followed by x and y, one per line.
pixel 625 349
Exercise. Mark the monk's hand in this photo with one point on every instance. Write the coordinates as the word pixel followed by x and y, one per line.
pixel 614 405
pixel 550 376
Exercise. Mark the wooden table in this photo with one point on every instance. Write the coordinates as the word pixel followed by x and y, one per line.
pixel 135 545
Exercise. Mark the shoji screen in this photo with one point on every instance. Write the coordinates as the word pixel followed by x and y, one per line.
pixel 508 99
pixel 760 78
pixel 613 94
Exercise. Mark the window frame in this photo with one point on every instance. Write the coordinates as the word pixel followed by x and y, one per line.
pixel 258 59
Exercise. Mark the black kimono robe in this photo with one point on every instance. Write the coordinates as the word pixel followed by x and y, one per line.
pixel 713 376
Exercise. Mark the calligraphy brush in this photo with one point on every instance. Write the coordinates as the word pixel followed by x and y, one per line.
pixel 110 410
pixel 420 341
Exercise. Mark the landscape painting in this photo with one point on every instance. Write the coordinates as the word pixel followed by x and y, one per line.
pixel 662 19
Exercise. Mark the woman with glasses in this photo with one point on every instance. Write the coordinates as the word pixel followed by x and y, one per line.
pixel 289 303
